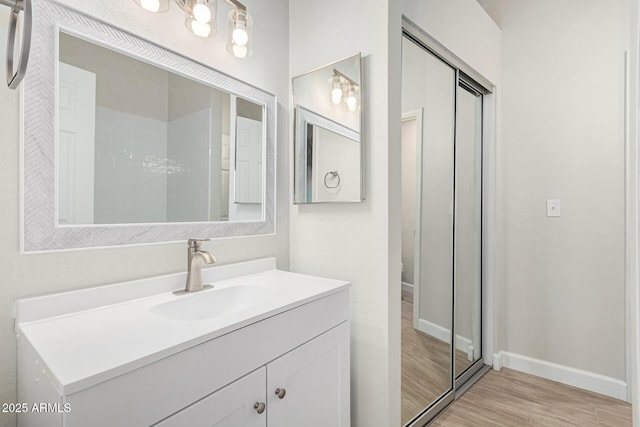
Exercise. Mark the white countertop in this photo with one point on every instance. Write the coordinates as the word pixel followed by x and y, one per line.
pixel 81 348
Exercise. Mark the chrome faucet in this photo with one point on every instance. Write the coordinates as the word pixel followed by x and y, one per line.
pixel 196 258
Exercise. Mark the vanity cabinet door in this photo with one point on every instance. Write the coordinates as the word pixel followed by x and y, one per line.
pixel 231 406
pixel 309 386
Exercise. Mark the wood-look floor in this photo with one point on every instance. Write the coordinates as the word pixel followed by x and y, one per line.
pixel 510 398
pixel 502 399
pixel 426 365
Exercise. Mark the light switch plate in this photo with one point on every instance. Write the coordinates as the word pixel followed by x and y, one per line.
pixel 553 207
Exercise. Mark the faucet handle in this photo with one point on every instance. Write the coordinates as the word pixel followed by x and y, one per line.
pixel 195 243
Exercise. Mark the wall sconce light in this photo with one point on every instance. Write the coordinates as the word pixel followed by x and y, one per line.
pixel 240 33
pixel 156 6
pixel 344 88
pixel 200 17
pixel 336 89
pixel 352 101
pixel 201 20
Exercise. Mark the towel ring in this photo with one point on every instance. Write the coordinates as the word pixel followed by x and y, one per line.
pixel 14 77
pixel 335 174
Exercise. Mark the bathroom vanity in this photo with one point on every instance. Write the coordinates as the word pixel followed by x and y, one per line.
pixel 263 347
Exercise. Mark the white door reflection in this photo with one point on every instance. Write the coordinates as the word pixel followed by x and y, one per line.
pixel 76 135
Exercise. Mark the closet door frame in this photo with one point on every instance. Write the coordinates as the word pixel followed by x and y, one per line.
pixel 488 223
pixel 466 83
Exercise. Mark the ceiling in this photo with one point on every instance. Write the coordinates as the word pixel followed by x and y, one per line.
pixel 492 7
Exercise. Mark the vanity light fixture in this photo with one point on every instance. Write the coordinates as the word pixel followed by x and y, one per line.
pixel 201 20
pixel 336 89
pixel 240 34
pixel 156 6
pixel 200 16
pixel 352 101
pixel 344 88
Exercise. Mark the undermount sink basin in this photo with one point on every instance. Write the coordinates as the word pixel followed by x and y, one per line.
pixel 214 302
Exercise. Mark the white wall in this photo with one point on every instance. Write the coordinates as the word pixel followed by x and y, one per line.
pixel 563 293
pixel 361 242
pixel 464 28
pixel 633 291
pixel 25 275
pixel 143 92
pixel 351 241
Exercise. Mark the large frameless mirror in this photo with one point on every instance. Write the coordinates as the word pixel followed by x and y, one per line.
pixel 126 142
pixel 327 137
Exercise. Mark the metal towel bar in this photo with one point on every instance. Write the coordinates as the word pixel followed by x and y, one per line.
pixel 15 76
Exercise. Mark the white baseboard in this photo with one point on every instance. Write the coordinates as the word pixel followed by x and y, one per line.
pixel 407 287
pixel 497 361
pixel 465 345
pixel 443 334
pixel 563 374
pixel 436 331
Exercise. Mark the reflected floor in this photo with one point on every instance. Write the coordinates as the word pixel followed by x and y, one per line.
pixel 425 365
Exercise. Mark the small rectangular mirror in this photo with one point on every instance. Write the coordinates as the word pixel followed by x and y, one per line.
pixel 328 145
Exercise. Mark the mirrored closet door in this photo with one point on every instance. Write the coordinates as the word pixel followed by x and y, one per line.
pixel 468 227
pixel 428 134
pixel 441 231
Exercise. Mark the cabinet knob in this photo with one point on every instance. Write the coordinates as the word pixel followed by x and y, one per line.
pixel 281 393
pixel 260 407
